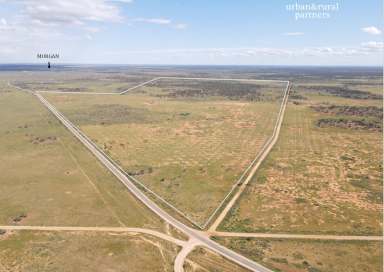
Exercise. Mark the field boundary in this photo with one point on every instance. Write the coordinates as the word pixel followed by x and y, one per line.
pixel 257 162
pixel 234 185
pixel 153 80
pixel 246 171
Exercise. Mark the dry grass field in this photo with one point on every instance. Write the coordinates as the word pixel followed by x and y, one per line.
pixel 48 178
pixel 203 260
pixel 324 175
pixel 28 251
pixel 188 141
pixel 310 256
pixel 76 80
pixel 96 251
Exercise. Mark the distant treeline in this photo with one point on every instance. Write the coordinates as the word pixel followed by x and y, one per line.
pixel 364 124
pixel 233 91
pixel 344 92
pixel 354 117
pixel 371 111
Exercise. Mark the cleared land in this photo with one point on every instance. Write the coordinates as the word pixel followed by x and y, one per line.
pixel 78 81
pixel 48 178
pixel 324 174
pixel 99 251
pixel 79 251
pixel 323 177
pixel 310 256
pixel 187 140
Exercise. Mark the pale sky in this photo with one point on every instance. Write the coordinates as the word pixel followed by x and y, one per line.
pixel 246 32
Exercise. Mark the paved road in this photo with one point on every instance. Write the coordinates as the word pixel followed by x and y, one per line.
pixel 192 234
pixel 100 229
pixel 251 168
pixel 298 236
pixel 180 258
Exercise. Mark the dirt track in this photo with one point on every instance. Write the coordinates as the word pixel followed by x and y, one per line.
pixel 297 236
pixel 100 229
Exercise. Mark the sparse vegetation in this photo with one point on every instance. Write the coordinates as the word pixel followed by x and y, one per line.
pixel 78 251
pixel 201 259
pixel 190 151
pixel 320 176
pixel 189 141
pixel 363 124
pixel 363 111
pixel 287 255
pixel 232 90
pixel 49 178
pixel 354 117
pixel 344 92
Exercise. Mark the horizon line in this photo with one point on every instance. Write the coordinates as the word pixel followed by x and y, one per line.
pixel 188 64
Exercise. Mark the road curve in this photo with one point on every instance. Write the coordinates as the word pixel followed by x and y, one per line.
pixel 100 229
pixel 203 239
pixel 180 258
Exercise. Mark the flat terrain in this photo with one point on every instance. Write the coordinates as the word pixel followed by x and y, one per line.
pixel 188 141
pixel 202 260
pixel 324 169
pixel 79 251
pixel 324 174
pixel 48 178
pixel 78 81
pixel 99 251
pixel 310 256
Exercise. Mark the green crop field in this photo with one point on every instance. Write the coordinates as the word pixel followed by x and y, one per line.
pixel 325 173
pixel 188 141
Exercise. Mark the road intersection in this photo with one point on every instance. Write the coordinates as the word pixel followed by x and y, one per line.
pixel 195 237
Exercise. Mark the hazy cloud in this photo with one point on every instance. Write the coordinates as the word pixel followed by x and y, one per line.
pixel 160 21
pixel 157 21
pixel 293 33
pixel 122 1
pixel 180 26
pixel 52 12
pixel 364 48
pixel 371 30
pixel 372 45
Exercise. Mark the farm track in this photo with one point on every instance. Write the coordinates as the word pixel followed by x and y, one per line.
pixel 255 164
pixel 200 238
pixel 196 238
pixel 247 173
pixel 298 236
pixel 99 229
